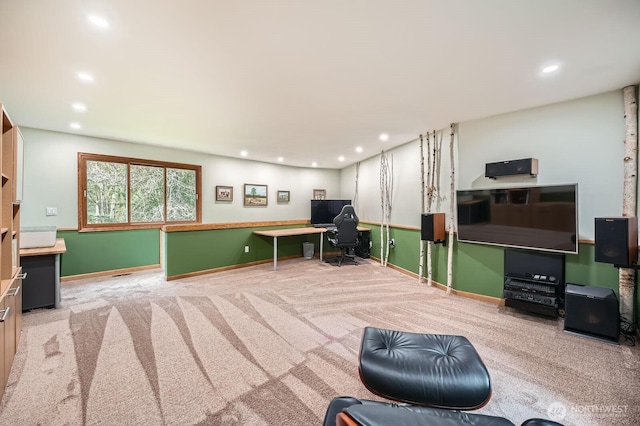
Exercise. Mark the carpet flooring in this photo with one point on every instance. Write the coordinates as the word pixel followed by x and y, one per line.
pixel 254 346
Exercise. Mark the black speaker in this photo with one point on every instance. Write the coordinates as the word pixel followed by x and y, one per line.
pixel 592 311
pixel 432 228
pixel 616 240
pixel 526 166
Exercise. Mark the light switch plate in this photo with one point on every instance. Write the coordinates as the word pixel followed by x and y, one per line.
pixel 52 211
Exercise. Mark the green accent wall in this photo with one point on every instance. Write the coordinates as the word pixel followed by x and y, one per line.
pixel 89 252
pixel 479 268
pixel 193 251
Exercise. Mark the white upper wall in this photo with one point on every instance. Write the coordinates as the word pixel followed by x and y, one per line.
pixel 406 205
pixel 50 180
pixel 579 141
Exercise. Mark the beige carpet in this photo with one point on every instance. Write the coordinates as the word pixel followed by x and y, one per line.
pixel 258 347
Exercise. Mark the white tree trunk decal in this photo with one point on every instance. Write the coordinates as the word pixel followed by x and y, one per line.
pixel 432 186
pixel 386 189
pixel 422 242
pixel 626 276
pixel 451 206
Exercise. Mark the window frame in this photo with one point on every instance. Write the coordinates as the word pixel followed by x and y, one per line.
pixel 83 226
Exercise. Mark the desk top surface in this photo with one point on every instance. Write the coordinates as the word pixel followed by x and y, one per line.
pixel 58 248
pixel 297 231
pixel 290 231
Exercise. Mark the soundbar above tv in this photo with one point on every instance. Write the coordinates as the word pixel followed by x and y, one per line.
pixel 323 211
pixel 533 217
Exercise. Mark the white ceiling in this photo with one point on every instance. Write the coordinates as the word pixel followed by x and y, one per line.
pixel 305 80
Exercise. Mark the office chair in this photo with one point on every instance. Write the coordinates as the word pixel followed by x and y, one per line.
pixel 345 236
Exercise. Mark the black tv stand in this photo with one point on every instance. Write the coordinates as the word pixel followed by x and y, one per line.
pixel 535 295
pixel 534 282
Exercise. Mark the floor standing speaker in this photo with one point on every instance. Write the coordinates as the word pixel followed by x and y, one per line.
pixel 592 311
pixel 432 228
pixel 616 240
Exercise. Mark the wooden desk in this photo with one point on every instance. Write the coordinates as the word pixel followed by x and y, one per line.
pixel 275 233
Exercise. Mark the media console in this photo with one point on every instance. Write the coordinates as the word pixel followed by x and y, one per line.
pixel 538 294
pixel 534 282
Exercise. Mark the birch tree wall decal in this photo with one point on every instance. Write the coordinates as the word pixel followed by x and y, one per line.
pixel 626 276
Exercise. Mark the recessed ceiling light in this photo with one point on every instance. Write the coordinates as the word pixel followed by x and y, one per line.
pixel 75 126
pixel 341 158
pixel 85 76
pixel 314 164
pixel 384 137
pixel 98 21
pixel 358 149
pixel 80 107
pixel 244 153
pixel 280 159
pixel 551 68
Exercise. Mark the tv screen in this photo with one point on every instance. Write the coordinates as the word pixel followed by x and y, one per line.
pixel 535 217
pixel 323 211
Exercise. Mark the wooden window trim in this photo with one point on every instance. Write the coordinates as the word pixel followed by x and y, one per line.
pixel 83 157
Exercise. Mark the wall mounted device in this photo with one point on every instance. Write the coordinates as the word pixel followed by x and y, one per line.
pixel 535 217
pixel 526 166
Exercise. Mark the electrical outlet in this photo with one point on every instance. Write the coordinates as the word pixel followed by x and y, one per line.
pixel 52 211
pixel 392 243
pixel 246 249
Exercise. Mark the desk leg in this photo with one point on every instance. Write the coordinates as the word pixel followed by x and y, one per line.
pixel 275 253
pixel 321 240
pixel 56 303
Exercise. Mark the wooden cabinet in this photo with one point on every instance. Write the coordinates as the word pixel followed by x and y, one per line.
pixel 10 278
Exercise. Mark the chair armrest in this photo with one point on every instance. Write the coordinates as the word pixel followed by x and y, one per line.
pixel 407 415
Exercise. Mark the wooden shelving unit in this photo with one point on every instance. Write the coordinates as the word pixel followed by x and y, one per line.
pixel 10 271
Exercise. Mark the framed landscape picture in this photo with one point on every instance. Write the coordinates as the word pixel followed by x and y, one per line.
pixel 319 194
pixel 283 196
pixel 224 193
pixel 255 195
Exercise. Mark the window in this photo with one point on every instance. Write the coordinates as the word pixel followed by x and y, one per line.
pixel 121 193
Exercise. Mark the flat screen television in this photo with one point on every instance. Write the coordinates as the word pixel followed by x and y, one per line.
pixel 323 211
pixel 533 217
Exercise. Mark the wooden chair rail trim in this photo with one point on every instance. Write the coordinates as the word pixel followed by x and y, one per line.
pixel 232 225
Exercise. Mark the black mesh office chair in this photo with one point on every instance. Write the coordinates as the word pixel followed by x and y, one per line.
pixel 345 236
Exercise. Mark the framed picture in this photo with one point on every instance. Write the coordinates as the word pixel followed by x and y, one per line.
pixel 319 194
pixel 283 196
pixel 224 193
pixel 255 195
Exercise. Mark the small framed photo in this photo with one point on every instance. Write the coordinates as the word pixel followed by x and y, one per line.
pixel 224 193
pixel 255 195
pixel 319 194
pixel 283 196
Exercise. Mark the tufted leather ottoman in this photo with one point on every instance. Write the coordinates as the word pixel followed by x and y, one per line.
pixel 434 375
pixel 424 369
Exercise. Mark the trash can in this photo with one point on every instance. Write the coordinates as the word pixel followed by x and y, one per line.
pixel 307 250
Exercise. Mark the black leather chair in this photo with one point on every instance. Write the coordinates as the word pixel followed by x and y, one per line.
pixel 430 377
pixel 345 236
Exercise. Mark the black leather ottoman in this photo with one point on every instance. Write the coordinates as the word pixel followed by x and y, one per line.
pixel 431 376
pixel 425 369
